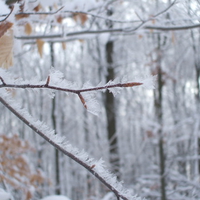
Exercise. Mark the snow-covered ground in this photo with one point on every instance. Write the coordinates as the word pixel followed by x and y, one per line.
pixel 55 197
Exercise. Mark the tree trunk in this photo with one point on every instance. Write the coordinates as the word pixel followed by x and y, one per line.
pixel 159 116
pixel 53 117
pixel 110 108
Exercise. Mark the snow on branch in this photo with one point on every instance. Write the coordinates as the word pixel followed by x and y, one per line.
pixel 80 34
pixel 56 81
pixel 96 168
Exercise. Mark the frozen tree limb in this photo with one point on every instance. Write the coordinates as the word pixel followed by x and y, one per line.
pixel 96 168
pixel 47 85
pixel 125 30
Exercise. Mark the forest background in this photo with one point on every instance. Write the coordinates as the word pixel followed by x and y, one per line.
pixel 53 52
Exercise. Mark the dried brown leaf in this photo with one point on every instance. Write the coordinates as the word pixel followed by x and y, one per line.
pixel 173 37
pixel 21 16
pixel 83 18
pixel 80 16
pixel 4 26
pixel 140 36
pixel 37 8
pixel 28 195
pixel 63 45
pixel 59 19
pixel 40 44
pixel 6 49
pixel 28 28
pixel 16 170
pixel 81 40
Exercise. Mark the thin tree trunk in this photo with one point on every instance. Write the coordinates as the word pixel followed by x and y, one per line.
pixel 110 108
pixel 159 116
pixel 53 117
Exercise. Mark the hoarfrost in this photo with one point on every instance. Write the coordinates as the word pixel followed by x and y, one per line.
pixel 84 159
pixel 115 90
pixel 149 82
pixel 57 79
pixel 101 84
pixel 90 99
pixel 92 104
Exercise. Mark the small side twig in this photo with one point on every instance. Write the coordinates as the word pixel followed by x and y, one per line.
pixel 40 13
pixel 47 82
pixel 82 100
pixel 11 10
pixel 78 92
pixel 3 82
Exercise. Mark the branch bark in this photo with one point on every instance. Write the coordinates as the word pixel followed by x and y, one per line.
pixel 90 168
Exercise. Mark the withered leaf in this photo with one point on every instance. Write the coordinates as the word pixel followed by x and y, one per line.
pixel 6 50
pixel 40 44
pixel 28 28
pixel 4 26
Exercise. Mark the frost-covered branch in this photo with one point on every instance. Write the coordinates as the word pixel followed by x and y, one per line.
pixel 173 28
pixel 60 87
pixel 47 86
pixel 96 168
pixel 127 30
pixel 40 13
pixel 124 30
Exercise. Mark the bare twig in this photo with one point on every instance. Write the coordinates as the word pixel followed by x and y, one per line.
pixel 11 10
pixel 126 30
pixel 47 86
pixel 102 17
pixel 172 28
pixel 48 80
pixel 82 100
pixel 166 9
pixel 78 92
pixel 40 13
pixel 2 81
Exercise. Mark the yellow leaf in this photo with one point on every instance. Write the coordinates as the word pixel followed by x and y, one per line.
pixel 28 29
pixel 40 44
pixel 6 49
